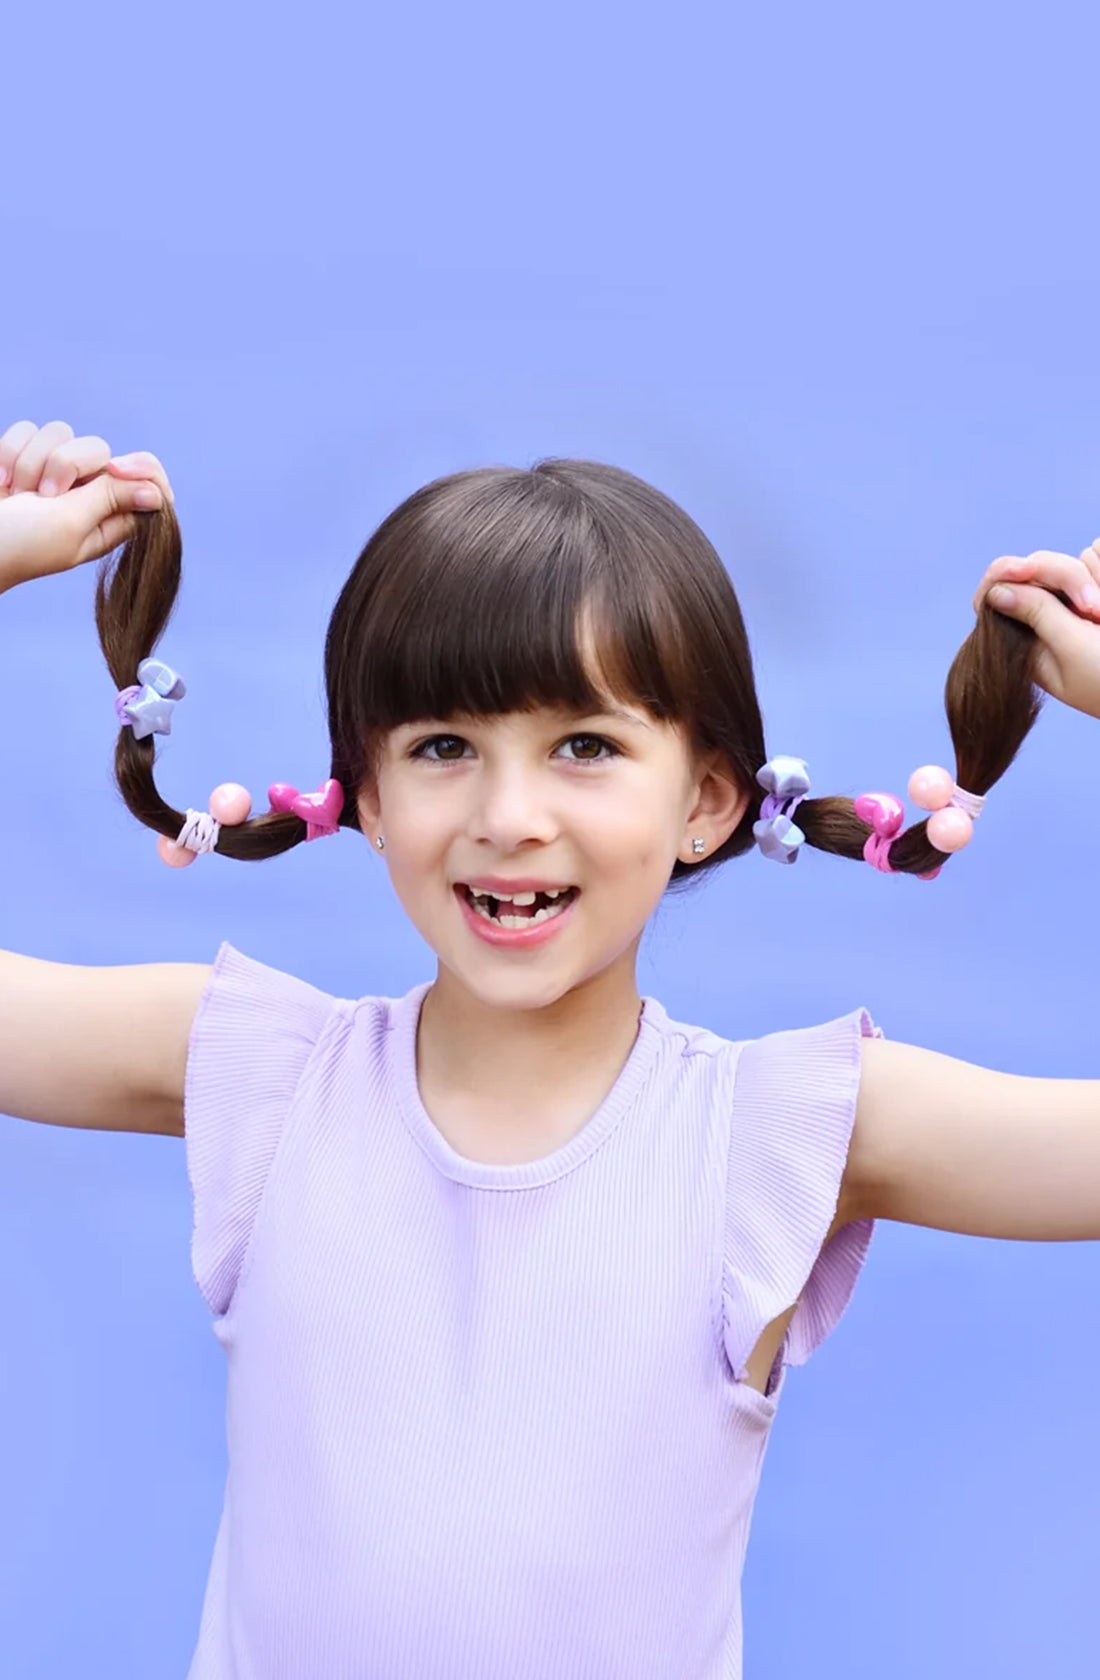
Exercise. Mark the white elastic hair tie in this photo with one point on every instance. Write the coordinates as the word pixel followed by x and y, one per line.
pixel 971 803
pixel 199 833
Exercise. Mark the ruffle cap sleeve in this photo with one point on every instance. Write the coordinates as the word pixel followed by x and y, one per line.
pixel 794 1105
pixel 253 1035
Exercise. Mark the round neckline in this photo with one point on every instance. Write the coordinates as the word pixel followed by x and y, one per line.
pixel 491 1175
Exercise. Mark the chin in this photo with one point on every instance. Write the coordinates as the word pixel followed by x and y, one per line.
pixel 514 990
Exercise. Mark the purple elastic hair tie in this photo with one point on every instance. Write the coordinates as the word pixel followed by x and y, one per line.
pixel 787 782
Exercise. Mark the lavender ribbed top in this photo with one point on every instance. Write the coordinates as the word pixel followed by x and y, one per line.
pixel 485 1422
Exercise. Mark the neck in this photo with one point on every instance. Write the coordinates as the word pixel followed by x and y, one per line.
pixel 513 1064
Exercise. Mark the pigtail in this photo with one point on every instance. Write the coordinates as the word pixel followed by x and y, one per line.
pixel 991 701
pixel 136 591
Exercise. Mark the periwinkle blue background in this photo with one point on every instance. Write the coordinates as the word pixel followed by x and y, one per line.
pixel 829 276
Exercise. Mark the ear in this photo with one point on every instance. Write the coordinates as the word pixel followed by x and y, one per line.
pixel 369 807
pixel 718 804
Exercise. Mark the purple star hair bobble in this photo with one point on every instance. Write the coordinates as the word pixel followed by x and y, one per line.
pixel 147 706
pixel 786 782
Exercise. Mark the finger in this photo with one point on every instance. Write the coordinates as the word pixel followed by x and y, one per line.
pixel 992 574
pixel 81 458
pixel 1055 624
pixel 1065 662
pixel 36 452
pixel 14 439
pixel 103 498
pixel 109 533
pixel 1053 571
pixel 1072 575
pixel 141 465
pixel 1091 558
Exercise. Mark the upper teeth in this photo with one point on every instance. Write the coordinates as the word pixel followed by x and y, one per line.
pixel 520 897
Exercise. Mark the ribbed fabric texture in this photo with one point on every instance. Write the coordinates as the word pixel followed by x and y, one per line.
pixel 485 1422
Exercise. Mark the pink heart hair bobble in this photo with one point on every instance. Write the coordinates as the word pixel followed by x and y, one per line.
pixel 885 816
pixel 230 803
pixel 319 811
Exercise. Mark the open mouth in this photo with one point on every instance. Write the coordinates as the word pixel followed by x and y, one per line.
pixel 521 909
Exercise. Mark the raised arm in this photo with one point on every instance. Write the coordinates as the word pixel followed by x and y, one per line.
pixel 941 1142
pixel 944 1143
pixel 97 1047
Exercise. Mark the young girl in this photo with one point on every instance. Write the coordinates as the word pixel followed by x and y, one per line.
pixel 509 1270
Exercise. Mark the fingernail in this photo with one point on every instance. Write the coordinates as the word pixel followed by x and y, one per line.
pixel 147 496
pixel 999 596
pixel 1090 595
pixel 48 487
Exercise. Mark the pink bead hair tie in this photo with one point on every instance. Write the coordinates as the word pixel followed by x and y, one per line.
pixel 954 811
pixel 229 804
pixel 933 789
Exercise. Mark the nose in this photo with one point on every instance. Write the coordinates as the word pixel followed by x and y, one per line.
pixel 513 807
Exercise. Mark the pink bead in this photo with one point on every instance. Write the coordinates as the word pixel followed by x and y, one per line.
pixel 230 803
pixel 949 830
pixel 931 787
pixel 176 857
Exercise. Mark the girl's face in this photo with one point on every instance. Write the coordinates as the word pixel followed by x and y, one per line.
pixel 589 814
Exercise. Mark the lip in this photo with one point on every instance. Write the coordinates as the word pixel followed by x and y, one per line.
pixel 523 883
pixel 521 939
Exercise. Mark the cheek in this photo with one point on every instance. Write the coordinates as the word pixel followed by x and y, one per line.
pixel 405 812
pixel 635 843
pixel 644 817
pixel 414 847
pixel 417 841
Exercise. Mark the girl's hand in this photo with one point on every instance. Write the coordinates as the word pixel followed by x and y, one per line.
pixel 1059 597
pixel 64 500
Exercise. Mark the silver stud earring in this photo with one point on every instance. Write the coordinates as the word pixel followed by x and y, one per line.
pixel 380 843
pixel 698 847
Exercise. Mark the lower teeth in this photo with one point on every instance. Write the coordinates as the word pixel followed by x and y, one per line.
pixel 543 915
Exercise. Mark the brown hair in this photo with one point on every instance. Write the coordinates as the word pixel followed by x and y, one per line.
pixel 474 598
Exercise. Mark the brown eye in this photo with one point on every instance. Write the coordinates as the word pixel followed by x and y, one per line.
pixel 586 743
pixel 444 746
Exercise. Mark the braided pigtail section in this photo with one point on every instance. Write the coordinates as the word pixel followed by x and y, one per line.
pixel 136 591
pixel 992 703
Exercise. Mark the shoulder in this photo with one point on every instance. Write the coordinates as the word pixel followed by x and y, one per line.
pixel 790 1095
pixel 681 1037
pixel 253 1015
pixel 828 1053
pixel 259 986
pixel 797 1094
